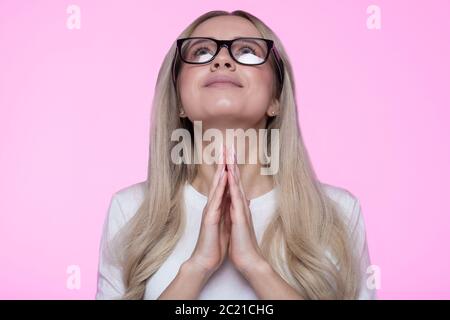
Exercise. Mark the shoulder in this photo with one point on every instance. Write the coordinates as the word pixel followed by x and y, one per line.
pixel 349 207
pixel 130 198
pixel 124 203
pixel 347 203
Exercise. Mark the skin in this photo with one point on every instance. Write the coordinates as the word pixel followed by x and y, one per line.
pixel 246 107
pixel 227 228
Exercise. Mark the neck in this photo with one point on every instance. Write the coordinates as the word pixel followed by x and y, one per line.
pixel 254 183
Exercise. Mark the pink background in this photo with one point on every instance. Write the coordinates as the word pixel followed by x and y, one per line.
pixel 74 121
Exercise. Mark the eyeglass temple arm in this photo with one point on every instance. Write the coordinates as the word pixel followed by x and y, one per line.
pixel 173 68
pixel 280 65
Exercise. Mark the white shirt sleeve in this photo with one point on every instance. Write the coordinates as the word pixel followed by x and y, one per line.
pixel 110 283
pixel 367 292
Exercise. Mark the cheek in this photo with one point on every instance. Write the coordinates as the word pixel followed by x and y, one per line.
pixel 188 89
pixel 260 87
pixel 186 78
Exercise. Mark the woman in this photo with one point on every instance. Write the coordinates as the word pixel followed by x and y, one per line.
pixel 223 230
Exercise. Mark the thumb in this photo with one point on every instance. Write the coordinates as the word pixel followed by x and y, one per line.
pixel 224 232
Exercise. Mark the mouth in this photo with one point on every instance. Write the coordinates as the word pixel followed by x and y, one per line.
pixel 222 84
pixel 222 81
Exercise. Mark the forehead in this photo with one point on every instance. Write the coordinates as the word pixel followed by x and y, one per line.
pixel 226 28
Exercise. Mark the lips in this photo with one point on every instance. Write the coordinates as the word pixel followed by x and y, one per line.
pixel 221 80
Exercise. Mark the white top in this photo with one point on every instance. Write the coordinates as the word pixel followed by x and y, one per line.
pixel 226 283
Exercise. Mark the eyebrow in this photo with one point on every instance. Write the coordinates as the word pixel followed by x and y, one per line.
pixel 244 37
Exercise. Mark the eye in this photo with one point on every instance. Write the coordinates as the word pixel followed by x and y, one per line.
pixel 201 50
pixel 250 47
pixel 246 50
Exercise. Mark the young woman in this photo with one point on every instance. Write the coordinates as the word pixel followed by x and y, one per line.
pixel 223 230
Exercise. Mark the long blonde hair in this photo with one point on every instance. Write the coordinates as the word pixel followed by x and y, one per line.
pixel 305 226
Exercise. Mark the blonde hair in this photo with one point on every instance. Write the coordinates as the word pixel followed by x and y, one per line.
pixel 305 227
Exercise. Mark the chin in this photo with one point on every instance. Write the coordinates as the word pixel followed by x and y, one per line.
pixel 221 104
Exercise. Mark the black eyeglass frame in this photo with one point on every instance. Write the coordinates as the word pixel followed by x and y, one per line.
pixel 228 43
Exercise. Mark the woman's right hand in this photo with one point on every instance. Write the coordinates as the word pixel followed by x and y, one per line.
pixel 212 242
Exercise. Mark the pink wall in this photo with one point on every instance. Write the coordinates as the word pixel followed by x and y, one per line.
pixel 74 109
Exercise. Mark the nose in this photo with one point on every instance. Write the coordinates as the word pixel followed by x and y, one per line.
pixel 223 58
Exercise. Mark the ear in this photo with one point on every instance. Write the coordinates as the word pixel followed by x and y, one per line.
pixel 274 108
pixel 182 113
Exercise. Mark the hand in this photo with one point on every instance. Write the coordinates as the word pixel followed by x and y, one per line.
pixel 212 243
pixel 243 248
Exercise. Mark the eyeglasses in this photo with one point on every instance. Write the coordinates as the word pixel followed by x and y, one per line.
pixel 248 51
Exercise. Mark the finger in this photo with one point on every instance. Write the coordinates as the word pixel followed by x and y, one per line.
pixel 247 216
pixel 235 195
pixel 223 204
pixel 244 201
pixel 239 183
pixel 226 196
pixel 225 219
pixel 237 176
pixel 250 222
pixel 226 223
pixel 234 189
pixel 216 179
pixel 219 170
pixel 225 228
pixel 217 196
pixel 228 215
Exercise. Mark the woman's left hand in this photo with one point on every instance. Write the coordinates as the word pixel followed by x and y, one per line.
pixel 243 248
